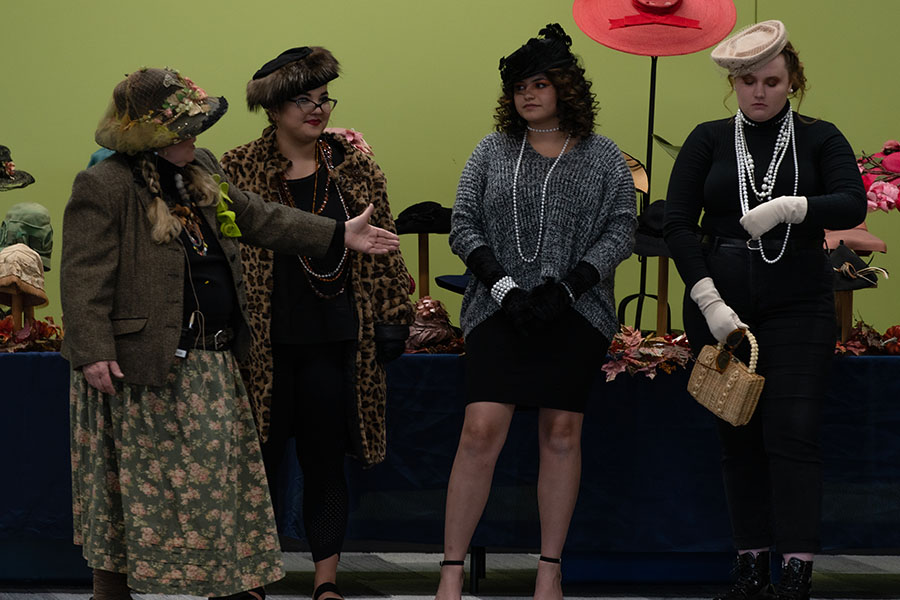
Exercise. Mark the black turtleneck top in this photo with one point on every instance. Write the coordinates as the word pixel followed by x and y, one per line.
pixel 704 178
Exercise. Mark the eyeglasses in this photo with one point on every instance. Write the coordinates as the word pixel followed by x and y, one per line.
pixel 725 355
pixel 307 105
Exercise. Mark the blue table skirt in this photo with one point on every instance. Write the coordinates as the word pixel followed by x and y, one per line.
pixel 651 481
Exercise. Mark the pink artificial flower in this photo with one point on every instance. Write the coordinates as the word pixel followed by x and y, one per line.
pixel 882 195
pixel 891 146
pixel 354 137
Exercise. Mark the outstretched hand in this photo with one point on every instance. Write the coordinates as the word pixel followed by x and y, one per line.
pixel 362 237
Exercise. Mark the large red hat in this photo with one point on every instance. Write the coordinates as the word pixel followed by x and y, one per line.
pixel 656 27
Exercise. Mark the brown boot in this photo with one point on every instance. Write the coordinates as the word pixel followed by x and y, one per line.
pixel 110 586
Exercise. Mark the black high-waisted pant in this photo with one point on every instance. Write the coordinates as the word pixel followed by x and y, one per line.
pixel 772 466
pixel 308 403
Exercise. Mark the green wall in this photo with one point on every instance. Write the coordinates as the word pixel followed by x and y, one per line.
pixel 420 80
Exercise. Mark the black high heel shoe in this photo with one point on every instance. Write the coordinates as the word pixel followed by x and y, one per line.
pixel 328 586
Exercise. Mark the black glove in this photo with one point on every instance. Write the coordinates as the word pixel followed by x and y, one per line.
pixel 517 307
pixel 483 263
pixel 390 341
pixel 582 278
pixel 549 301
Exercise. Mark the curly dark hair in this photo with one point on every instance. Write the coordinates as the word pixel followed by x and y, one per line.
pixel 575 102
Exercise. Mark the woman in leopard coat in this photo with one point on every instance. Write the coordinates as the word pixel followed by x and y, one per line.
pixel 323 328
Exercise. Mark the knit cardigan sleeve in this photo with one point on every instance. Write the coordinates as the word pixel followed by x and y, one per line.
pixel 614 242
pixel 466 229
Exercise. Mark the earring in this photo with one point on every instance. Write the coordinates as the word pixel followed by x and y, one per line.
pixel 791 91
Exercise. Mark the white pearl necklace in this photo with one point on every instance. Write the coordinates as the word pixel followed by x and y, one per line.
pixel 746 172
pixel 537 247
pixel 530 128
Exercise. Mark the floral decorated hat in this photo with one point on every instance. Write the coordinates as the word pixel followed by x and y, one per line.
pixel 155 108
pixel 10 177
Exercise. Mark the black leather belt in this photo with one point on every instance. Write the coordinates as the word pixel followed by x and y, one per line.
pixel 220 340
pixel 767 245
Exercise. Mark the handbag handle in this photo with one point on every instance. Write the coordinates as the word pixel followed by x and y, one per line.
pixel 754 351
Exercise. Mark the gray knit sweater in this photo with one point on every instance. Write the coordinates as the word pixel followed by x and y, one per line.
pixel 589 215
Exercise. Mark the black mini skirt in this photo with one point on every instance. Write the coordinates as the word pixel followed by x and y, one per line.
pixel 554 368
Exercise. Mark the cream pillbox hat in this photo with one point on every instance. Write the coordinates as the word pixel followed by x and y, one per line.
pixel 751 47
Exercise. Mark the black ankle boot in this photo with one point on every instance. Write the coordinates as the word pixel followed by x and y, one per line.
pixel 796 579
pixel 752 583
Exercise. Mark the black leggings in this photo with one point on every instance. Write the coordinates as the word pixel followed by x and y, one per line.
pixel 308 403
pixel 772 466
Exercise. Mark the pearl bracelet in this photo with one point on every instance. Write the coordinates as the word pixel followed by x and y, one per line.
pixel 501 288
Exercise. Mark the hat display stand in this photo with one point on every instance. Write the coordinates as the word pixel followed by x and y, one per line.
pixel 863 243
pixel 655 28
pixel 423 218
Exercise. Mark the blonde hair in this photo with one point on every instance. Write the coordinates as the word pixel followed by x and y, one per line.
pixel 164 226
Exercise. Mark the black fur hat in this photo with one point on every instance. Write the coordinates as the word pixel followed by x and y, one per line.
pixel 290 73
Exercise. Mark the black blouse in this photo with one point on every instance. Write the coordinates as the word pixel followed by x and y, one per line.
pixel 208 285
pixel 305 309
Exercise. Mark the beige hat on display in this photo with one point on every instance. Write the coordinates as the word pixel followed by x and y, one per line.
pixel 22 274
pixel 751 47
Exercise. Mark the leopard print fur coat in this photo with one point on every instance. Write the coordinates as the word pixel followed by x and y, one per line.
pixel 379 284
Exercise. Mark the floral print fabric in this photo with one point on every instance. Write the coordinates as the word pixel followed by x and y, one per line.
pixel 168 483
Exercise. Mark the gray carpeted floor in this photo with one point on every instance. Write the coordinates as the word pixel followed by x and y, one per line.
pixel 414 576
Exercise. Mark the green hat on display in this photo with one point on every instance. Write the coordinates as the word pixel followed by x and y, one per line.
pixel 28 223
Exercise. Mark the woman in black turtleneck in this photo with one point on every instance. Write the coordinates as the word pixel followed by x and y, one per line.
pixel 768 182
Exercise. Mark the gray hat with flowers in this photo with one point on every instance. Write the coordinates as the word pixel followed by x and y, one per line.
pixel 155 108
pixel 751 47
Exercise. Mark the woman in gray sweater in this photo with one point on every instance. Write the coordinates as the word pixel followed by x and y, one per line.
pixel 545 211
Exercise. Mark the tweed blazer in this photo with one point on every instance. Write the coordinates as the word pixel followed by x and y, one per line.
pixel 122 293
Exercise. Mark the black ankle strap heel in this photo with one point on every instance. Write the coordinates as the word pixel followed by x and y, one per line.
pixel 453 563
pixel 555 561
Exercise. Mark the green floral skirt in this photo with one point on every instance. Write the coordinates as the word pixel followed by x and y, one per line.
pixel 168 483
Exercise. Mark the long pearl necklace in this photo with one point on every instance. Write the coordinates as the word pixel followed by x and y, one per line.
pixel 537 247
pixel 747 174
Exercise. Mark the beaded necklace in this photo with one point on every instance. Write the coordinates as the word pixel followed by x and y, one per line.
pixel 746 173
pixel 190 222
pixel 537 247
pixel 285 196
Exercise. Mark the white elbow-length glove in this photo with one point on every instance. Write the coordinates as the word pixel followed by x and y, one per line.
pixel 783 209
pixel 720 318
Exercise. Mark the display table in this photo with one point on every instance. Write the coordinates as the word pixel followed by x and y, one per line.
pixel 651 483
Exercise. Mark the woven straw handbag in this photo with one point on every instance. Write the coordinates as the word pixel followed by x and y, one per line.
pixel 724 385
